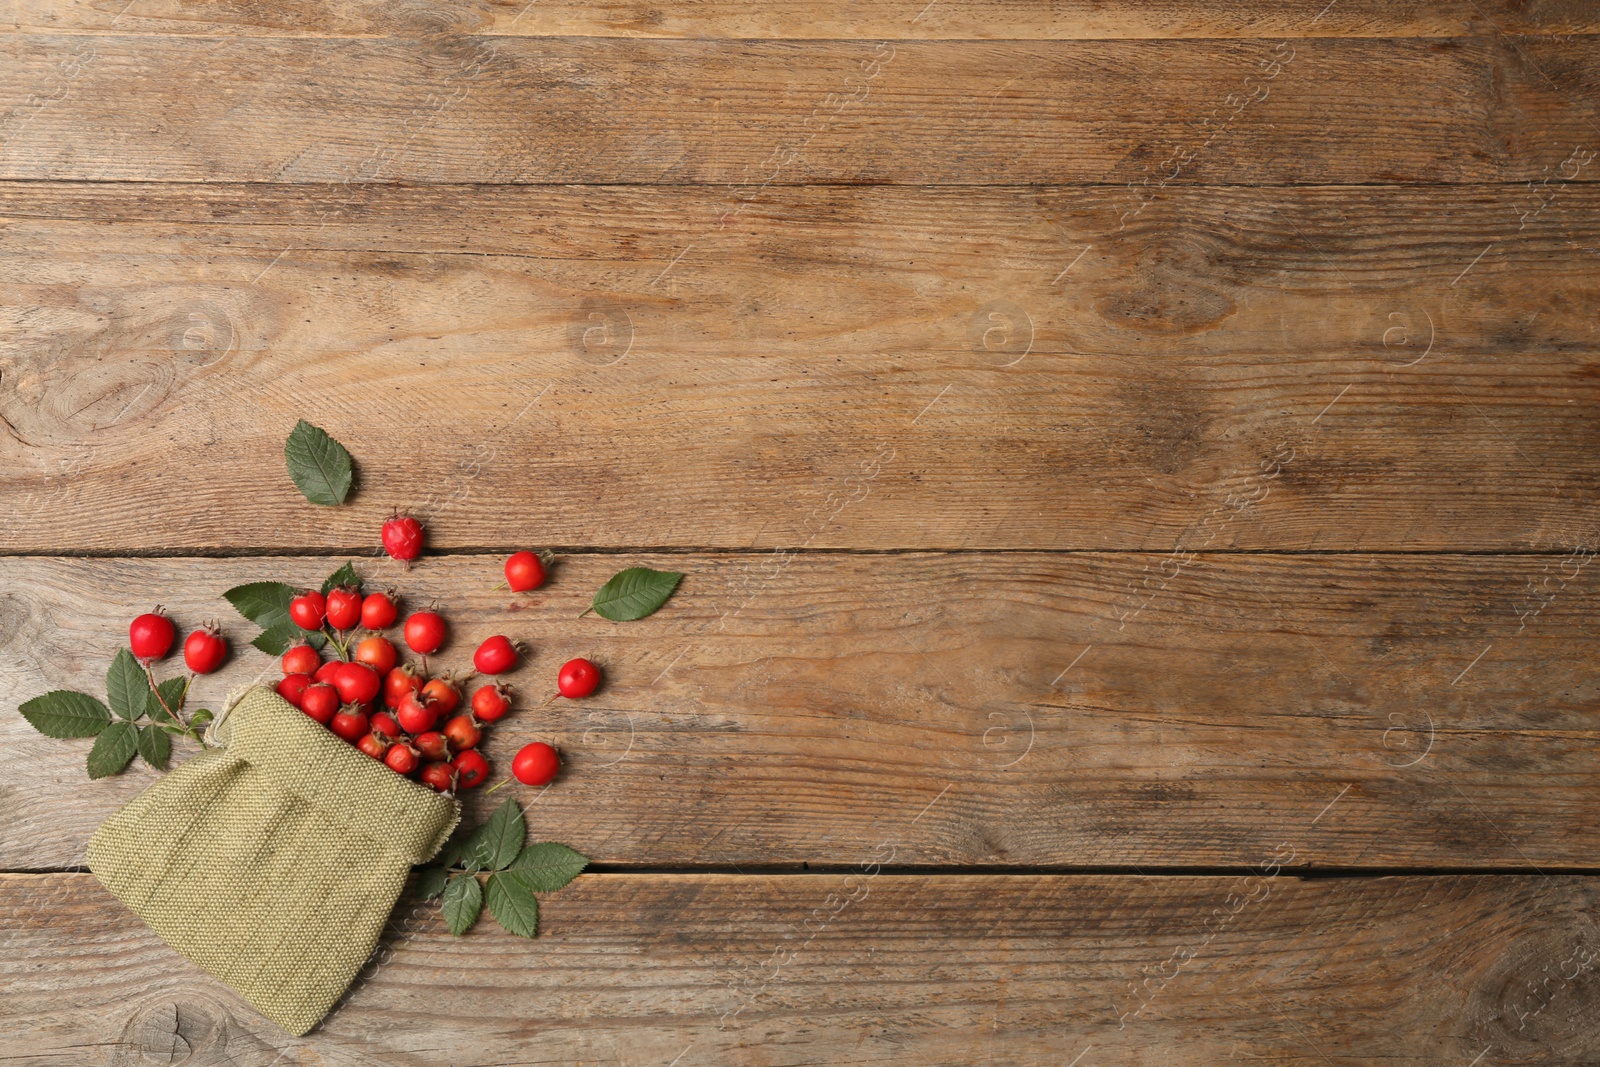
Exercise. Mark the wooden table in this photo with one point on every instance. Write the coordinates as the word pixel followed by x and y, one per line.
pixel 1135 467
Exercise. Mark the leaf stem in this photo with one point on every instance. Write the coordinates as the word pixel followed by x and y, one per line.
pixel 586 611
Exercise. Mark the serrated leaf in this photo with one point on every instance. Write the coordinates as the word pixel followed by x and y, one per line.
pixel 171 691
pixel 65 713
pixel 200 718
pixel 275 640
pixel 345 575
pixel 126 686
pixel 113 749
pixel 431 882
pixel 318 465
pixel 155 745
pixel 497 842
pixel 634 593
pixel 513 905
pixel 462 903
pixel 264 603
pixel 546 866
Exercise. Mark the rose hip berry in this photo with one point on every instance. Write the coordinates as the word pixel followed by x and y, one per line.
pixel 327 671
pixel 577 678
pixel 439 776
pixel 416 713
pixel 301 658
pixel 378 611
pixel 377 653
pixel 343 608
pixel 402 538
pixel 320 701
pixel 400 681
pixel 536 764
pixel 293 687
pixel 433 745
pixel 424 632
pixel 151 636
pixel 445 696
pixel 357 683
pixel 524 571
pixel 373 745
pixel 471 768
pixel 308 610
pixel 350 723
pixel 402 759
pixel 495 656
pixel 462 733
pixel 384 724
pixel 491 702
pixel 204 650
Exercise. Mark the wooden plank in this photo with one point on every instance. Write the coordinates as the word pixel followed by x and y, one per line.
pixel 1020 368
pixel 1084 710
pixel 557 110
pixel 868 969
pixel 944 19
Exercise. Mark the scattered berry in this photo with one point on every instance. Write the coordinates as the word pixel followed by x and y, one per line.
pixel 577 678
pixel 524 571
pixel 424 632
pixel 151 636
pixel 373 745
pixel 536 764
pixel 402 759
pixel 301 658
pixel 357 683
pixel 320 701
pixel 402 538
pixel 495 656
pixel 308 610
pixel 377 653
pixel 400 681
pixel 293 687
pixel 462 733
pixel 491 702
pixel 440 776
pixel 416 714
pixel 471 768
pixel 445 696
pixel 344 608
pixel 205 650
pixel 384 724
pixel 349 723
pixel 433 745
pixel 378 611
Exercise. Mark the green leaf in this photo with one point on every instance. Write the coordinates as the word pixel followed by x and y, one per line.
pixel 113 749
pixel 345 575
pixel 200 718
pixel 275 640
pixel 513 904
pixel 430 882
pixel 155 745
pixel 171 691
pixel 547 866
pixel 65 713
pixel 126 686
pixel 497 842
pixel 463 901
pixel 634 593
pixel 319 465
pixel 264 603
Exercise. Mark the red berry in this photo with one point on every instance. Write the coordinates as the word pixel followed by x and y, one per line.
pixel 385 724
pixel 350 723
pixel 577 678
pixel 462 733
pixel 320 701
pixel 402 759
pixel 524 571
pixel 440 776
pixel 471 768
pixel 151 636
pixel 402 538
pixel 357 683
pixel 433 745
pixel 536 764
pixel 400 681
pixel 416 713
pixel 373 745
pixel 491 702
pixel 445 696
pixel 495 656
pixel 344 608
pixel 293 687
pixel 308 610
pixel 378 611
pixel 328 671
pixel 204 650
pixel 301 658
pixel 377 653
pixel 424 632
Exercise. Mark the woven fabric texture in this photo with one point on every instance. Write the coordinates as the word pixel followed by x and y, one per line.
pixel 273 862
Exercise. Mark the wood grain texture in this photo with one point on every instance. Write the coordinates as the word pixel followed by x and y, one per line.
pixel 863 969
pixel 1086 711
pixel 942 19
pixel 1049 368
pixel 592 110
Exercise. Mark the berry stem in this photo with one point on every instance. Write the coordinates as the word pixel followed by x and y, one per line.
pixel 497 785
pixel 552 700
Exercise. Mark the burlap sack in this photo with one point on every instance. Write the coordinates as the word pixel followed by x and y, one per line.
pixel 274 862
